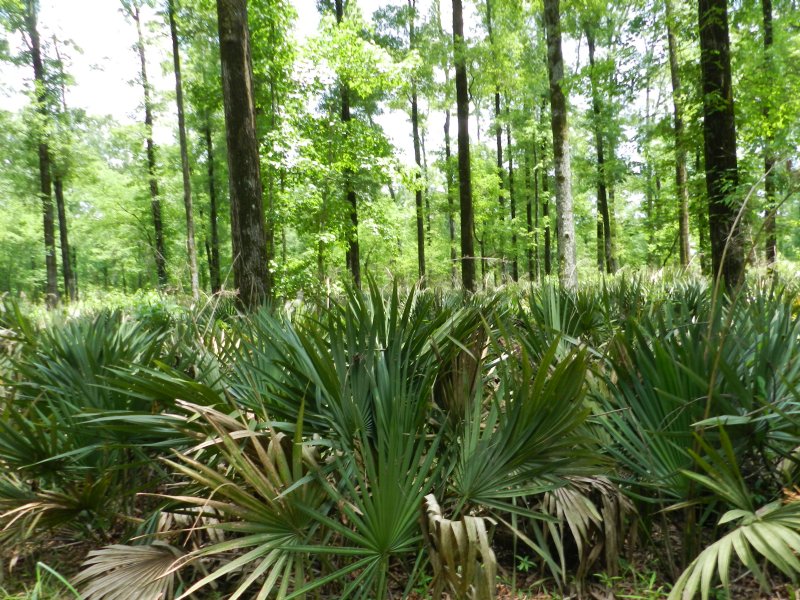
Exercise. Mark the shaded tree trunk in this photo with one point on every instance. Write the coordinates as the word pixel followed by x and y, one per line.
pixel 605 248
pixel 680 143
pixel 512 201
pixel 417 156
pixel 771 242
pixel 719 132
pixel 66 264
pixel 213 263
pixel 191 248
pixel 565 220
pixel 70 285
pixel 244 172
pixel 353 252
pixel 418 191
pixel 45 181
pixel 548 263
pixel 464 174
pixel 155 203
pixel 451 221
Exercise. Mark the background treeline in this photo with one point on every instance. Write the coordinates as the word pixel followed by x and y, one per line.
pixel 649 187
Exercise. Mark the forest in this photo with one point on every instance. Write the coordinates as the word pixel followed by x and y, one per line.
pixel 384 299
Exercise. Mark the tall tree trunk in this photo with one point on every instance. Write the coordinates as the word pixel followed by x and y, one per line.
pixel 451 221
pixel 191 248
pixel 417 155
pixel 212 217
pixel 353 251
pixel 464 174
pixel 155 203
pixel 719 132
pixel 66 263
pixel 680 142
pixel 512 201
pixel 70 286
pixel 418 191
pixel 771 242
pixel 244 172
pixel 565 220
pixel 604 223
pixel 45 182
pixel 498 131
pixel 533 215
pixel 548 262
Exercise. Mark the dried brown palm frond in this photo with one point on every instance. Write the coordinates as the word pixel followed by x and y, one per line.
pixel 597 516
pixel 129 572
pixel 464 563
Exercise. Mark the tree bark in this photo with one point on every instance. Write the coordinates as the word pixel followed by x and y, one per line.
pixel 213 220
pixel 771 241
pixel 605 253
pixel 353 256
pixel 244 171
pixel 66 264
pixel 191 248
pixel 512 201
pixel 464 173
pixel 155 203
pixel 451 222
pixel 565 220
pixel 680 142
pixel 70 285
pixel 45 181
pixel 719 132
pixel 498 132
pixel 417 156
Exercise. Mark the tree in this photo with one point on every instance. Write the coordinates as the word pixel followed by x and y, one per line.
pixel 565 220
pixel 719 133
pixel 191 249
pixel 244 172
pixel 464 169
pixel 605 247
pixel 59 168
pixel 771 242
pixel 133 10
pixel 681 185
pixel 45 178
pixel 353 256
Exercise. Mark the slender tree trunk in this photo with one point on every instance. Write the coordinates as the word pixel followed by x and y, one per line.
pixel 498 132
pixel 244 172
pixel 529 202
pixel 417 155
pixel 604 223
pixel 535 210
pixel 191 248
pixel 451 221
pixel 545 183
pixel 70 286
pixel 512 201
pixel 464 174
pixel 680 143
pixel 353 252
pixel 418 191
pixel 719 132
pixel 771 242
pixel 45 182
pixel 565 220
pixel 212 217
pixel 66 264
pixel 155 203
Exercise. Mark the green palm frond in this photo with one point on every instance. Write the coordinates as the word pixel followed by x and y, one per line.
pixel 772 532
